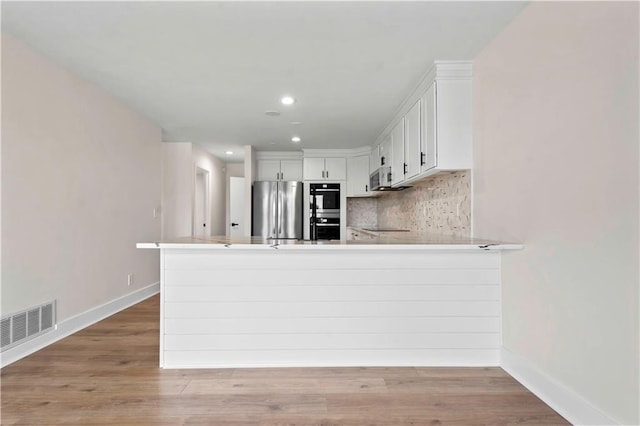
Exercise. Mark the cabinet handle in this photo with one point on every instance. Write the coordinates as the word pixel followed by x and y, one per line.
pixel 404 168
pixel 382 160
pixel 281 175
pixel 327 174
pixel 423 158
pixel 366 188
pixel 323 174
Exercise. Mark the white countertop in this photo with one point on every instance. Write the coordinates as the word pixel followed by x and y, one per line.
pixel 385 241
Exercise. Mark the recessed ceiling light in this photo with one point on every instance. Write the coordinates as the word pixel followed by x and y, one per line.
pixel 229 152
pixel 287 100
pixel 296 123
pixel 272 113
pixel 295 139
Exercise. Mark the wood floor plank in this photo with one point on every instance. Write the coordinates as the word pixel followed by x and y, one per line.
pixel 324 372
pixel 108 374
pixel 458 385
pixel 285 386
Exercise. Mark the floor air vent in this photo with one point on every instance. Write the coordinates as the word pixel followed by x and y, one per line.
pixel 22 326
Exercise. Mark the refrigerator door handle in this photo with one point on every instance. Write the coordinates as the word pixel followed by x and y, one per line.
pixel 278 224
pixel 275 209
pixel 281 196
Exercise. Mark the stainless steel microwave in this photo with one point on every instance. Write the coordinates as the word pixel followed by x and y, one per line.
pixel 380 180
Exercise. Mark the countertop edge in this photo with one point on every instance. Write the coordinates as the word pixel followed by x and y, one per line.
pixel 353 246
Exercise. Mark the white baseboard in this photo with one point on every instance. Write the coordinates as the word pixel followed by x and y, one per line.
pixel 77 323
pixel 567 403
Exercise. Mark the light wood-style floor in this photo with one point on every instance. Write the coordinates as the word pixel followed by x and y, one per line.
pixel 108 374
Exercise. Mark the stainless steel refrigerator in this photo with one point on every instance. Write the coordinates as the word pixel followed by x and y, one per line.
pixel 277 209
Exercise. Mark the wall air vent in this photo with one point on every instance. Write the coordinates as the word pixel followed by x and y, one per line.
pixel 22 326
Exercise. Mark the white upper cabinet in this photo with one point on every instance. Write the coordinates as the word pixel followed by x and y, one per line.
pixel 398 166
pixel 336 168
pixel 268 170
pixel 325 168
pixel 313 169
pixel 374 159
pixel 412 137
pixel 358 176
pixel 428 140
pixel 447 133
pixel 291 170
pixel 433 131
pixel 385 152
pixel 285 170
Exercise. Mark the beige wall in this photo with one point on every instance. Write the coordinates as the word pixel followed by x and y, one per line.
pixel 177 178
pixel 80 180
pixel 556 168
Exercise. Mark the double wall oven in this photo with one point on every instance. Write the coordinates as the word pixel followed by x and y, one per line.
pixel 324 211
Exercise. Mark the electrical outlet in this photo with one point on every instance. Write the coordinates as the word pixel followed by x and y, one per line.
pixel 130 279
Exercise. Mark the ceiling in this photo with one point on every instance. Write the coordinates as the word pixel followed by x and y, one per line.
pixel 206 72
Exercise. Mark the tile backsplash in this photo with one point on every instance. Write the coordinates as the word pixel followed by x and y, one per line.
pixel 362 212
pixel 440 204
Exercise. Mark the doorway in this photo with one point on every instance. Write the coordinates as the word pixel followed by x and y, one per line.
pixel 201 204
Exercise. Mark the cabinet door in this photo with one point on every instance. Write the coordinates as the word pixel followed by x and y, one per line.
pixel 335 168
pixel 313 168
pixel 412 138
pixel 291 170
pixel 268 169
pixel 385 152
pixel 397 160
pixel 374 158
pixel 358 175
pixel 429 130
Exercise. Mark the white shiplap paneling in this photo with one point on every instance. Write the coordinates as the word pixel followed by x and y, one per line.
pixel 320 293
pixel 319 308
pixel 298 275
pixel 333 325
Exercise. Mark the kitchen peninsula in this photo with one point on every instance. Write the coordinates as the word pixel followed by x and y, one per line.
pixel 392 301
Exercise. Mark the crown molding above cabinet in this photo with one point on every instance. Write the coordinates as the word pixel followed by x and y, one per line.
pixel 440 70
pixel 279 155
pixel 341 153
